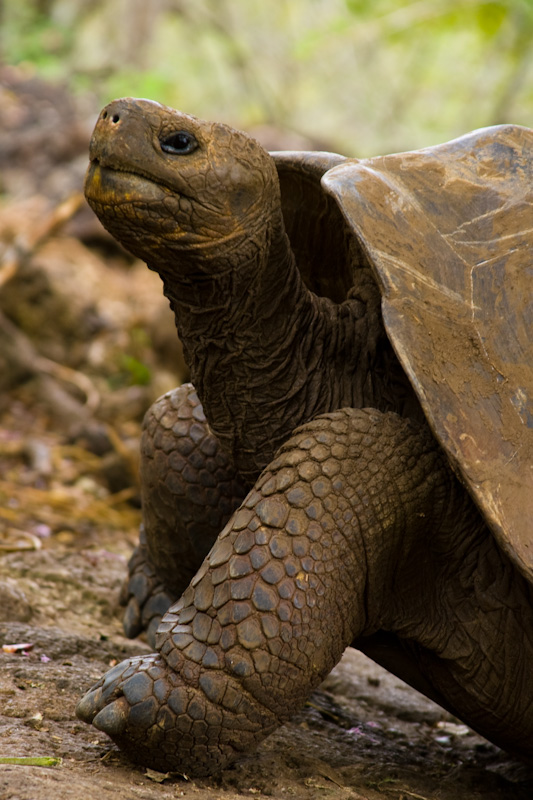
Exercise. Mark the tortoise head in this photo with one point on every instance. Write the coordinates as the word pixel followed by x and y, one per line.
pixel 173 187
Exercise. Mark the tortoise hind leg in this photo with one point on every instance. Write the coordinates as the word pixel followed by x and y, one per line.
pixel 189 490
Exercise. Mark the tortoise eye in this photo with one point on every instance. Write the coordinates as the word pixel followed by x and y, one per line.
pixel 179 143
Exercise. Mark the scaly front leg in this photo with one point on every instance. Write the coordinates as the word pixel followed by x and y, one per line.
pixel 301 570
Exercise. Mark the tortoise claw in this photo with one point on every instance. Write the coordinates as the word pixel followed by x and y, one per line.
pixel 88 706
pixel 113 719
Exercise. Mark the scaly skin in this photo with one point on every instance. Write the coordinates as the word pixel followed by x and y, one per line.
pixel 356 531
pixel 189 491
pixel 309 563
pixel 276 601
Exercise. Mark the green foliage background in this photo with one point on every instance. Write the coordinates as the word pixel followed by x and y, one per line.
pixel 357 76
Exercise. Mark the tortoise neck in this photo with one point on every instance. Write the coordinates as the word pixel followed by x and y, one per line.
pixel 237 329
pixel 267 355
pixel 246 292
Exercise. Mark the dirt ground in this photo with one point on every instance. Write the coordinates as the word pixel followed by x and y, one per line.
pixel 364 734
pixel 86 344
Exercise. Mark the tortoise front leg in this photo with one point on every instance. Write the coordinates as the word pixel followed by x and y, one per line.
pixel 189 491
pixel 298 573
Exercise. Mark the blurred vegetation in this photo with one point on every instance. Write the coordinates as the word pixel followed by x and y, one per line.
pixel 358 76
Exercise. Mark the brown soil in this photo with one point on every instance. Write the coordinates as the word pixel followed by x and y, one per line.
pixel 364 734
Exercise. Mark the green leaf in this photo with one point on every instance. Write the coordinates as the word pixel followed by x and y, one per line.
pixel 32 761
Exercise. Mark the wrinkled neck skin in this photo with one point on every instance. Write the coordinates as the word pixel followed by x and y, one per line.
pixel 266 354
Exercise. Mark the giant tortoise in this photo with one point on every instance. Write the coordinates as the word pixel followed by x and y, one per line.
pixel 353 463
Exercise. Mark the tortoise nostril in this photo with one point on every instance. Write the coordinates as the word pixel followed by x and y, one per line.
pixel 115 118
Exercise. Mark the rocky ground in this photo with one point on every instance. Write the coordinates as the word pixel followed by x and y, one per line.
pixel 86 344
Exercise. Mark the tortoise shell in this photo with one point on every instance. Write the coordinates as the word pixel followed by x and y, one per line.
pixel 448 231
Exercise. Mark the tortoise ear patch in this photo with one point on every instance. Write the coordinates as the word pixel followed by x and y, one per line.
pixel 240 201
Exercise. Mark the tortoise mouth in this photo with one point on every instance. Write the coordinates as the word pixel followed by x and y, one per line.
pixel 110 185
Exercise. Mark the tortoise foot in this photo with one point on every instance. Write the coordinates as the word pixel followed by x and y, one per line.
pixel 145 597
pixel 124 697
pixel 130 704
pixel 162 722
